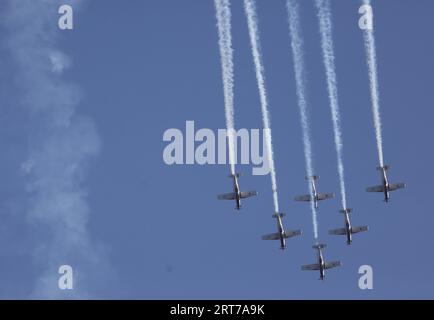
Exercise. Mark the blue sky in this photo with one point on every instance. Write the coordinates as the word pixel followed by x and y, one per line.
pixel 153 231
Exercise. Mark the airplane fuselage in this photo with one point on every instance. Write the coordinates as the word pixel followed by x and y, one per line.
pixel 237 193
pixel 314 194
pixel 348 229
pixel 321 265
pixel 385 185
pixel 281 231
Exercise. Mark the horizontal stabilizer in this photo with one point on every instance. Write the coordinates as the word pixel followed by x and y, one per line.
pixel 385 167
pixel 359 229
pixel 232 175
pixel 227 196
pixel 319 246
pixel 292 233
pixel 314 266
pixel 375 189
pixel 247 194
pixel 338 232
pixel 332 264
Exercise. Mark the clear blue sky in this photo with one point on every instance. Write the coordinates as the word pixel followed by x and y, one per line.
pixel 159 232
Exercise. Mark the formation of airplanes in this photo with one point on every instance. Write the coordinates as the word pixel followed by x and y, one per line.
pixel 348 230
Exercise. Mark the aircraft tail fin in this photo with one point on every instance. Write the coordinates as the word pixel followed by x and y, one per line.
pixel 234 175
pixel 385 167
pixel 319 246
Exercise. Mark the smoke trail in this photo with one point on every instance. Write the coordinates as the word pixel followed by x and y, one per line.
pixel 61 144
pixel 325 24
pixel 369 39
pixel 252 22
pixel 223 15
pixel 298 61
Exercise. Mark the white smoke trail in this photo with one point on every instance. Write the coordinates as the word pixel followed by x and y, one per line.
pixel 61 145
pixel 223 15
pixel 325 24
pixel 252 22
pixel 369 39
pixel 298 61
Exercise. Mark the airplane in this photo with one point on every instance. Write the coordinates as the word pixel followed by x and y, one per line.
pixel 281 234
pixel 321 265
pixel 317 196
pixel 348 230
pixel 386 187
pixel 237 195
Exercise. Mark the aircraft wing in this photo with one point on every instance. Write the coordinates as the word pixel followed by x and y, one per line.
pixel 247 194
pixel 395 186
pixel 324 196
pixel 289 233
pixel 332 264
pixel 227 196
pixel 314 266
pixel 359 229
pixel 272 236
pixel 375 189
pixel 305 197
pixel 339 232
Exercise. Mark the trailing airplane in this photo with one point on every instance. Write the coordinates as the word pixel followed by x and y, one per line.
pixel 281 234
pixel 386 187
pixel 348 230
pixel 237 195
pixel 322 265
pixel 316 196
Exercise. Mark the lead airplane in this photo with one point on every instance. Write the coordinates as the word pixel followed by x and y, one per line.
pixel 386 187
pixel 281 234
pixel 322 265
pixel 237 195
pixel 348 230
pixel 316 196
